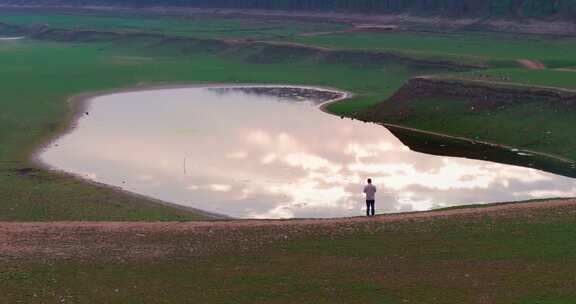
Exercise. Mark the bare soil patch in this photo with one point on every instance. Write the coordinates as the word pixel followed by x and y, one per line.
pixel 531 64
pixel 24 243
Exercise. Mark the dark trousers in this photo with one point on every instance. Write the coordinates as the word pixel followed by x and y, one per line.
pixel 370 207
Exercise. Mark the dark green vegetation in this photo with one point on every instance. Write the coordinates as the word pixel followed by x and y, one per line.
pixel 519 257
pixel 485 8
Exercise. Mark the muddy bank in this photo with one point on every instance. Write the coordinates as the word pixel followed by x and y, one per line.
pixel 251 51
pixel 479 94
pixel 445 145
pixel 291 93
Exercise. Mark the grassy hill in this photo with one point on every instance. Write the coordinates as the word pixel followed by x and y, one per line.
pixel 522 255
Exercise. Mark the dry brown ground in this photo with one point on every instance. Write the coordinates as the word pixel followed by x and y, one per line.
pixel 531 64
pixel 156 241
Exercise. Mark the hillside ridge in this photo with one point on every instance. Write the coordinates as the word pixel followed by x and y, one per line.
pixel 471 8
pixel 522 16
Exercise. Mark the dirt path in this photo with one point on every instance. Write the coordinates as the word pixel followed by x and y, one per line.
pixel 156 241
pixel 531 64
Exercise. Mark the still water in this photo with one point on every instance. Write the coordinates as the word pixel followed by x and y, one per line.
pixel 249 153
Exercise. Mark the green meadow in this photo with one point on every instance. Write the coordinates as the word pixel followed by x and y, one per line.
pixel 498 49
pixel 526 257
pixel 532 126
pixel 199 27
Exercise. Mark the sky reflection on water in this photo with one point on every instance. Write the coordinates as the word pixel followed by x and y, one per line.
pixel 253 156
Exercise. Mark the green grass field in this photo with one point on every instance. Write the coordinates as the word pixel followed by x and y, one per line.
pixel 199 27
pixel 524 258
pixel 530 126
pixel 499 49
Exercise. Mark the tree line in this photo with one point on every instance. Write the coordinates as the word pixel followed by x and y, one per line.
pixel 480 8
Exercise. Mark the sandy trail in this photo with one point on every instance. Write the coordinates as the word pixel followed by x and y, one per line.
pixel 156 241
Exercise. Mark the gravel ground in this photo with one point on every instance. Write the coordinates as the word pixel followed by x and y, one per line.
pixel 49 242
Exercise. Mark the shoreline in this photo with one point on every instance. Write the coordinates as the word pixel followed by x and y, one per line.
pixel 78 104
pixel 541 154
pixel 492 209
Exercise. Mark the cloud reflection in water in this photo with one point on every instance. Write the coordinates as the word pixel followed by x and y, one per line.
pixel 251 156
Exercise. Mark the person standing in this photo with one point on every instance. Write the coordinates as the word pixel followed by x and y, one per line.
pixel 370 191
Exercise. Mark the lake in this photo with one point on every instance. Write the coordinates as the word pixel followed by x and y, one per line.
pixel 264 152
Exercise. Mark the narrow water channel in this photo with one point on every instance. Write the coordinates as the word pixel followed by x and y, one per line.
pixel 263 153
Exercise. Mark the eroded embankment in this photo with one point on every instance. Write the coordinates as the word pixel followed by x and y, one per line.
pixel 487 93
pixel 480 95
pixel 251 50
